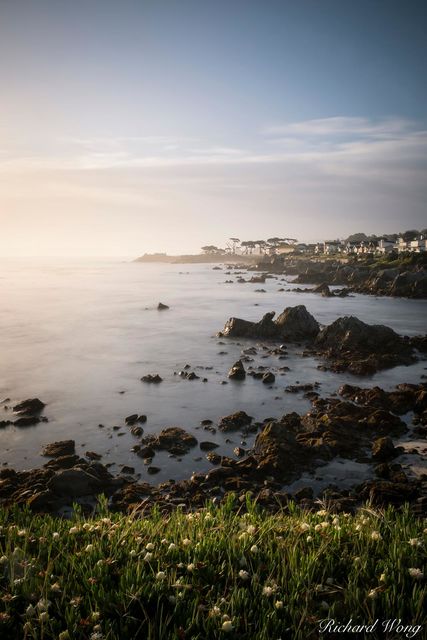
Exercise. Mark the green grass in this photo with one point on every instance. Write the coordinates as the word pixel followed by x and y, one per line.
pixel 92 578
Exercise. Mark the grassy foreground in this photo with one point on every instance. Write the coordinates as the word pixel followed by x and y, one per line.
pixel 210 574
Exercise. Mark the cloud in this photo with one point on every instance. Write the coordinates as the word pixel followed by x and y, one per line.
pixel 393 150
pixel 341 126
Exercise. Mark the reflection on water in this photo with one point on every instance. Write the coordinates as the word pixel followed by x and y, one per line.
pixel 78 335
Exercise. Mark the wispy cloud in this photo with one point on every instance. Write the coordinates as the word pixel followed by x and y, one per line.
pixel 390 148
pixel 341 126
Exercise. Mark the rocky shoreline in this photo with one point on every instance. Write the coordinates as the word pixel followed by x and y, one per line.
pixel 362 425
pixel 405 277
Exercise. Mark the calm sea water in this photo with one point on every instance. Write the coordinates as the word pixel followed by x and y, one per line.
pixel 77 334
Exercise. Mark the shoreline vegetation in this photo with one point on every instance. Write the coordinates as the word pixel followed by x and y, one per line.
pixel 228 571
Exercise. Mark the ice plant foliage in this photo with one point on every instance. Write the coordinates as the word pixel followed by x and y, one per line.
pixel 229 570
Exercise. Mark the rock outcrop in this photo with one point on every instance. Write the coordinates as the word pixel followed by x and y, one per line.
pixel 175 440
pixel 361 348
pixel 293 324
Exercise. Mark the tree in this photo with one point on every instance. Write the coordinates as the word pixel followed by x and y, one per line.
pixel 210 249
pixel 235 242
pixel 409 235
pixel 249 246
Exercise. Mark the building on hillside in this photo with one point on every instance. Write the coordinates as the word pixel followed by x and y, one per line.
pixel 385 245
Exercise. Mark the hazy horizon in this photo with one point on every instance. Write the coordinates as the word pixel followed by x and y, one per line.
pixel 151 126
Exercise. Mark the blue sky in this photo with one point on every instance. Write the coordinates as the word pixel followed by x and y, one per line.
pixel 165 125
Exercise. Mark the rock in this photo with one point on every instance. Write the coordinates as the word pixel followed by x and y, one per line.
pixel 323 289
pixel 305 493
pixel 60 448
pixel 404 398
pixel 162 307
pixel 293 324
pixel 384 492
pixel 268 377
pixel 235 421
pixel 29 407
pixel 153 470
pixel 152 378
pixel 131 419
pixel 383 449
pixel 146 452
pixel 63 462
pixel 128 470
pixel 237 371
pixel 27 421
pixel 92 455
pixel 175 440
pixel 75 483
pixel 361 348
pixel 137 431
pixel 208 446
pixel 296 323
pixel 43 501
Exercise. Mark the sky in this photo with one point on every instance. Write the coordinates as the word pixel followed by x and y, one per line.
pixel 157 125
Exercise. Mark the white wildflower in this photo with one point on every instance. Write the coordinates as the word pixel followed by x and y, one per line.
pixel 244 575
pixel 415 573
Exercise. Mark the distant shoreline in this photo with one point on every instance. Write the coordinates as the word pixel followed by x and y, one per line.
pixel 198 258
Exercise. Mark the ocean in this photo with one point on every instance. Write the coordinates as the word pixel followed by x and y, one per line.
pixel 80 335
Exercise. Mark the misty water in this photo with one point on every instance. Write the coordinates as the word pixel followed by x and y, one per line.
pixel 80 335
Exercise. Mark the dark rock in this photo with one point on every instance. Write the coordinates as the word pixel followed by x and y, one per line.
pixel 268 377
pixel 75 482
pixel 294 323
pixel 235 421
pixel 92 455
pixel 146 452
pixel 153 470
pixel 360 348
pixel 208 446
pixel 29 407
pixel 27 421
pixel 152 378
pixel 137 431
pixel 384 492
pixel 60 448
pixel 323 289
pixel 63 462
pixel 162 307
pixel 127 470
pixel 383 449
pixel 237 371
pixel 304 493
pixel 175 440
pixel 131 419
